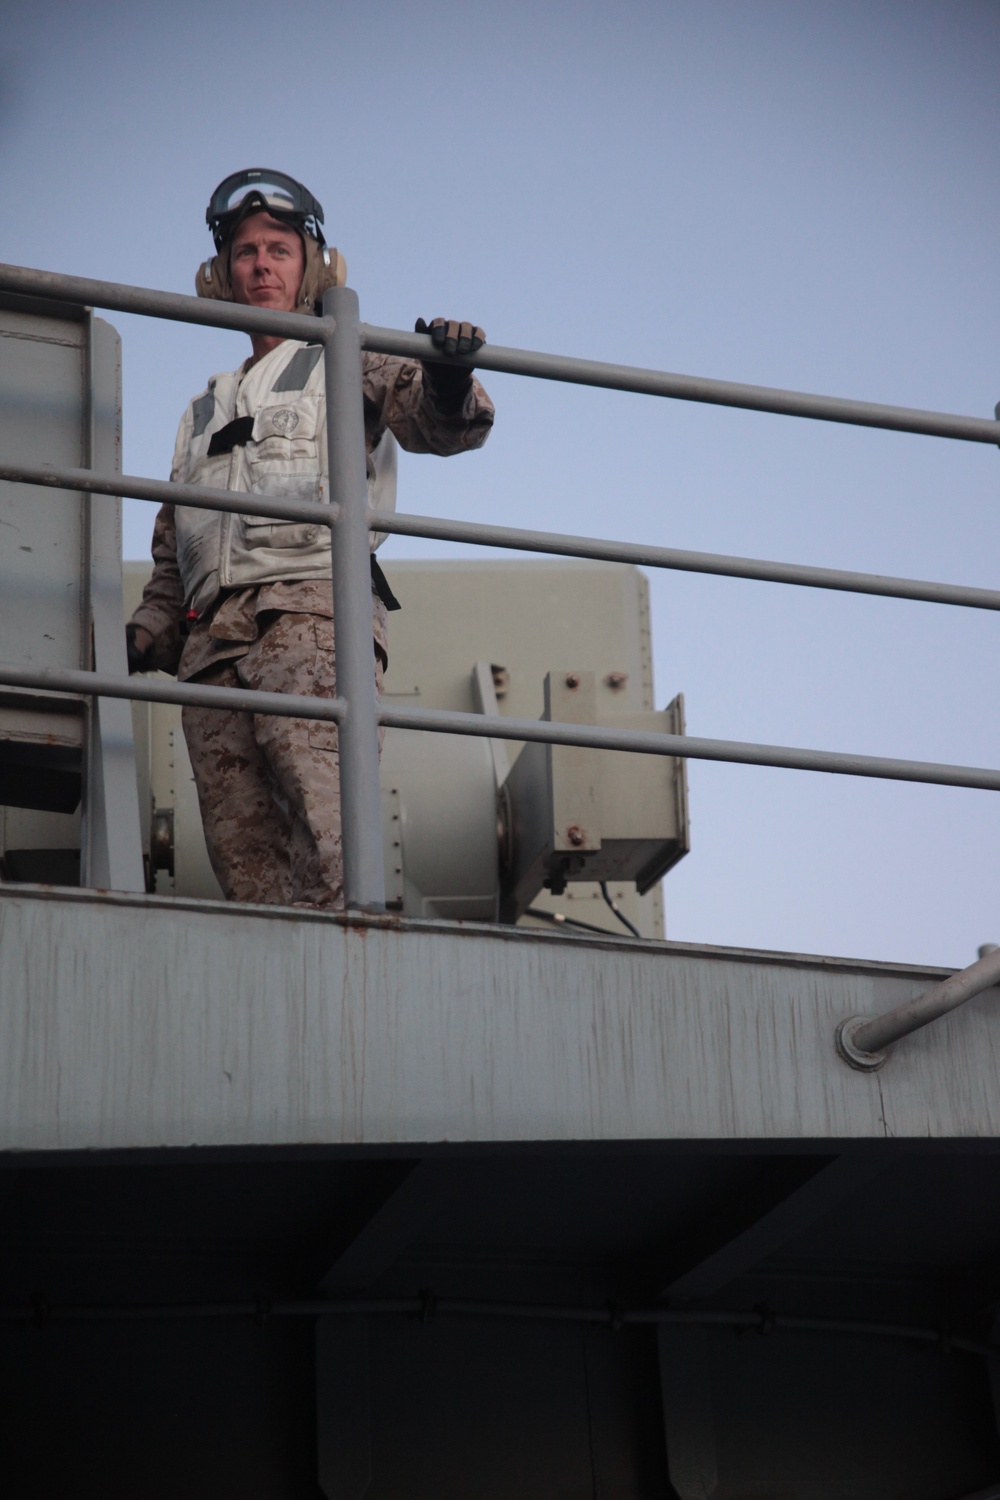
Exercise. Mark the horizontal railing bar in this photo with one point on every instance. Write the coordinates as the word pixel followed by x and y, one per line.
pixel 159 690
pixel 440 529
pixel 440 721
pixel 200 496
pixel 203 497
pixel 687 747
pixel 690 387
pixel 117 297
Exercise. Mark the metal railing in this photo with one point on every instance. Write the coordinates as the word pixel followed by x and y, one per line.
pixel 350 519
pixel 864 1041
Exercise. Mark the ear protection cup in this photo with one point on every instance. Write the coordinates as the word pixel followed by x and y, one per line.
pixel 212 279
pixel 325 267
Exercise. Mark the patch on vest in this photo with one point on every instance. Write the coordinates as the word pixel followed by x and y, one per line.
pixel 298 369
pixel 285 420
pixel 202 411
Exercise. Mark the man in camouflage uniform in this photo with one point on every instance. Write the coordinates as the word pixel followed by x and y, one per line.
pixel 240 601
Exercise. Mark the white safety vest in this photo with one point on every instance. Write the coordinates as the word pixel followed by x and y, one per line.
pixel 269 427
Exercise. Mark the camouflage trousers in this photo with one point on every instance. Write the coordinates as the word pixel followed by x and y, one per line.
pixel 269 787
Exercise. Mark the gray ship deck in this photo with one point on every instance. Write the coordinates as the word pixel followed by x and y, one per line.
pixel 136 1022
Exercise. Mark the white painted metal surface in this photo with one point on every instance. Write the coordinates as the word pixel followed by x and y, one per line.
pixel 525 617
pixel 130 1021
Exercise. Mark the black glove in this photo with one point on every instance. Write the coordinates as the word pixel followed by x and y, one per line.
pixel 450 383
pixel 451 336
pixel 140 651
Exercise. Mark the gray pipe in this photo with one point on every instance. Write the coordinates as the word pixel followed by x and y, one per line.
pixel 863 1043
pixel 688 747
pixel 84 291
pixel 598 737
pixel 87 291
pixel 691 387
pixel 160 690
pixel 715 563
pixel 164 492
pixel 203 497
pixel 360 795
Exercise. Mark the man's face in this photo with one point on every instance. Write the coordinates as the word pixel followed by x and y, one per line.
pixel 266 263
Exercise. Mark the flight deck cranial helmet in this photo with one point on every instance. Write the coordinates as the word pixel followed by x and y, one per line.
pixel 258 190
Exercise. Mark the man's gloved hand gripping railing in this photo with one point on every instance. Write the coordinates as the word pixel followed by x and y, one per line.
pixel 348 515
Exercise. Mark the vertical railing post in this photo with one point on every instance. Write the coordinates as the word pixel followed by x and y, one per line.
pixel 110 828
pixel 360 801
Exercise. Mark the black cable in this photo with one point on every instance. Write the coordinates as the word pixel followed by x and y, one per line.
pixel 763 1321
pixel 563 921
pixel 617 910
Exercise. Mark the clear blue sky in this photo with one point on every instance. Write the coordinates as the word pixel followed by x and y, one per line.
pixel 796 194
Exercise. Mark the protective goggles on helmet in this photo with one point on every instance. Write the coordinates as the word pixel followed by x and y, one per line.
pixel 257 190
